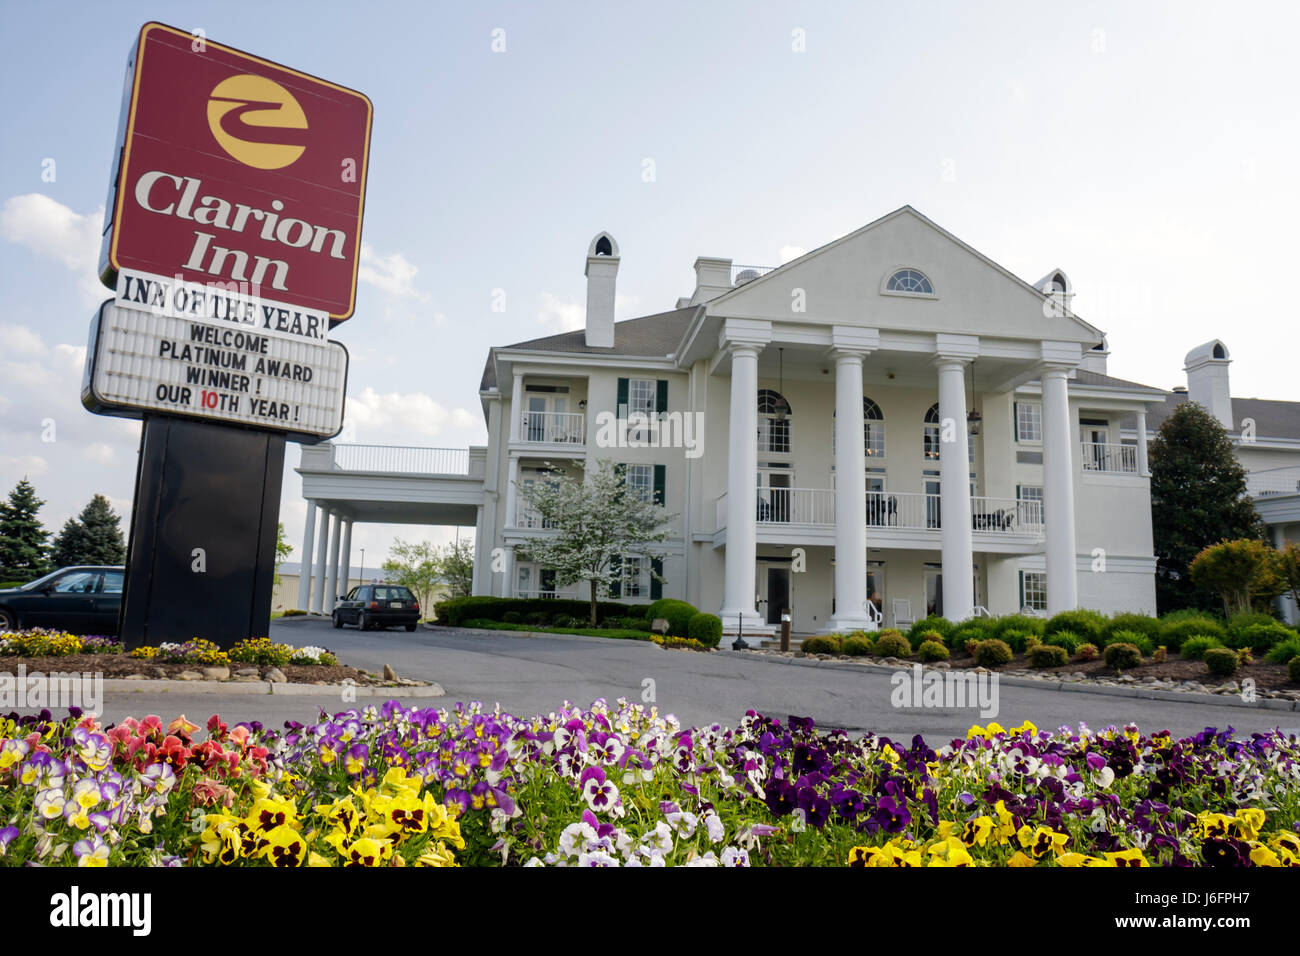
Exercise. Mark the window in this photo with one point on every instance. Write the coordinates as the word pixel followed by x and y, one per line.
pixel 635 577
pixel 78 582
pixel 909 282
pixel 1029 504
pixel 773 422
pixel 931 437
pixel 873 429
pixel 641 396
pixel 1033 590
pixel 1029 421
pixel 640 478
pixel 112 582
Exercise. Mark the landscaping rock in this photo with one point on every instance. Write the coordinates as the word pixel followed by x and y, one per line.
pixel 160 672
pixel 246 672
pixel 216 673
pixel 389 673
pixel 135 677
pixel 275 676
pixel 189 675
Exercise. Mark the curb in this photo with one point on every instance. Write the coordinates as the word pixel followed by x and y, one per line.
pixel 264 688
pixel 1076 687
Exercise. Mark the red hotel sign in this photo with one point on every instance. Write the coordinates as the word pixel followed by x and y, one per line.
pixel 238 171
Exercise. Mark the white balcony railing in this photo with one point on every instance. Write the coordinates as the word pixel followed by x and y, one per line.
pixel 561 428
pixel 1109 457
pixel 401 459
pixel 1273 481
pixel 530 518
pixel 570 593
pixel 796 506
pixel 890 509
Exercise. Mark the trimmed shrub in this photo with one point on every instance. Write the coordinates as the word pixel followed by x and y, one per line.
pixel 1176 630
pixel 932 651
pixel 1032 641
pixel 1048 655
pixel 1259 637
pixel 1239 623
pixel 1284 652
pixel 969 648
pixel 935 636
pixel 1143 624
pixel 1068 641
pixel 933 623
pixel 457 611
pixel 966 631
pixel 1016 640
pixel 1122 656
pixel 992 653
pixel 892 644
pixel 857 645
pixel 678 614
pixel 1293 669
pixel 1023 623
pixel 1086 652
pixel 540 618
pixel 822 644
pixel 512 617
pixel 1088 625
pixel 1141 641
pixel 1194 648
pixel 1221 661
pixel 705 628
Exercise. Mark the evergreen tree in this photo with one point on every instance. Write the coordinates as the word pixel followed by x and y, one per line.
pixel 1198 498
pixel 94 537
pixel 22 536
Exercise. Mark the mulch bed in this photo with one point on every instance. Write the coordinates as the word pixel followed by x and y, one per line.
pixel 1265 675
pixel 122 665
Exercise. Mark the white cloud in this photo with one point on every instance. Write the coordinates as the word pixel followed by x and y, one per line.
pixel 23 466
pixel 52 230
pixel 791 252
pixel 374 417
pixel 100 452
pixel 561 315
pixel 394 274
pixel 20 340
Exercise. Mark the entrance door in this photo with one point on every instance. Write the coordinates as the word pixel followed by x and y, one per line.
pixel 876 589
pixel 778 593
pixel 933 592
pixel 932 508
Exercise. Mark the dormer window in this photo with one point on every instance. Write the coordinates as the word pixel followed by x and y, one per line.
pixel 909 282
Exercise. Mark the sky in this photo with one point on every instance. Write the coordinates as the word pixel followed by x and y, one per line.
pixel 1146 148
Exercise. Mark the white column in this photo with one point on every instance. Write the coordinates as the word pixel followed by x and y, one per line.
pixel 345 577
pixel 1142 442
pixel 509 579
pixel 322 550
pixel 332 574
pixel 850 497
pixel 954 492
pixel 304 563
pixel 481 562
pixel 516 406
pixel 1058 492
pixel 742 492
pixel 512 492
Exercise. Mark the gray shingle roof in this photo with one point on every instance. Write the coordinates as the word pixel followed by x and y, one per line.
pixel 654 336
pixel 1273 419
pixel 1085 377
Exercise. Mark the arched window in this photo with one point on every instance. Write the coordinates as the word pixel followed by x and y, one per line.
pixel 909 281
pixel 603 247
pixel 773 421
pixel 873 429
pixel 931 439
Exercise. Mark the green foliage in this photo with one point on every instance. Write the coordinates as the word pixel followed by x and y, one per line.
pixel 1068 641
pixel 1048 655
pixel 94 537
pixel 1259 637
pixel 1140 641
pixel 1122 657
pixel 23 548
pixel 677 613
pixel 930 651
pixel 705 628
pixel 1018 640
pixel 934 622
pixel 1243 573
pixel 457 611
pixel 967 631
pixel 1020 623
pixel 857 645
pixel 414 566
pixel 992 653
pixel 282 550
pixel 1222 661
pixel 1088 625
pixel 611 632
pixel 1284 652
pixel 1135 624
pixel 1293 669
pixel 1198 498
pixel 1086 652
pixel 1194 648
pixel 891 643
pixel 454 563
pixel 261 650
pixel 1176 630
pixel 822 644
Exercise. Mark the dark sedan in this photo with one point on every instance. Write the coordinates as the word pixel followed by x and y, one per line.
pixel 378 605
pixel 79 600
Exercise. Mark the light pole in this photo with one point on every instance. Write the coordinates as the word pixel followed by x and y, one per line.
pixel 362 574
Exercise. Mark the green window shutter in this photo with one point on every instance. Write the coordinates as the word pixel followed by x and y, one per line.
pixel 1022 591
pixel 616 565
pixel 661 396
pixel 621 406
pixel 656 586
pixel 1015 421
pixel 661 474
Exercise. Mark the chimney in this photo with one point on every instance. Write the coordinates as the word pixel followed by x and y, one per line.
pixel 1207 379
pixel 1094 360
pixel 602 270
pixel 712 279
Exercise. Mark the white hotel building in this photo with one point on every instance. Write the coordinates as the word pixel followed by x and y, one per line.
pixel 888 426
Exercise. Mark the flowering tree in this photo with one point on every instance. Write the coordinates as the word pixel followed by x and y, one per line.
pixel 594 523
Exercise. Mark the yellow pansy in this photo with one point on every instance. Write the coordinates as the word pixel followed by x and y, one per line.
pixel 1131 857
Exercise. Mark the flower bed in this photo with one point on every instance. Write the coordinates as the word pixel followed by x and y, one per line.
pixel 623 785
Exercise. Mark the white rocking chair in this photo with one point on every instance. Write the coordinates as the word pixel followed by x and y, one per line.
pixel 902 608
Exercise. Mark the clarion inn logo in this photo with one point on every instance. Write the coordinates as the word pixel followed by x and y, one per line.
pixel 257 121
pixel 75 909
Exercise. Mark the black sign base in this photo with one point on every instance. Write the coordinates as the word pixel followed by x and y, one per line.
pixel 201 558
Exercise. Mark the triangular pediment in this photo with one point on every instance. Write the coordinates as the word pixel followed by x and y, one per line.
pixel 950 288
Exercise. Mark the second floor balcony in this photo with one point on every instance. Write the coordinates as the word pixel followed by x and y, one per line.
pixel 553 428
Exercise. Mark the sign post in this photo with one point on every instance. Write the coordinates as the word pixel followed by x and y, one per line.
pixel 232 239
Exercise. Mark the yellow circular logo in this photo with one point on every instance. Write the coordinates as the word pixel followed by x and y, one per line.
pixel 257 121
